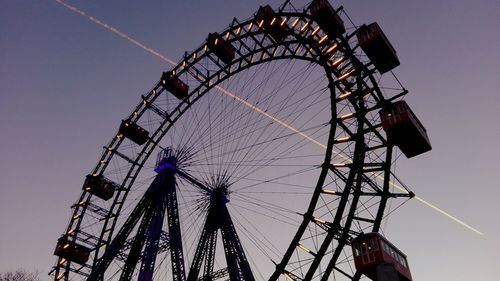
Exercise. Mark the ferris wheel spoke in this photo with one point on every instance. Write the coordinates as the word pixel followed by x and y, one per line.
pixel 194 181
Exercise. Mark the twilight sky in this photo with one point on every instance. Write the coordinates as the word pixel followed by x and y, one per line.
pixel 65 84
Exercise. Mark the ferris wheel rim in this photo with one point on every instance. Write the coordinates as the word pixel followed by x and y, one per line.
pixel 145 154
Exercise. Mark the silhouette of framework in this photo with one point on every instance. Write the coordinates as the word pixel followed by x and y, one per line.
pixel 349 195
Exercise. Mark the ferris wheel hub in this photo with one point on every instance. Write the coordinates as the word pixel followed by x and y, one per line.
pixel 166 161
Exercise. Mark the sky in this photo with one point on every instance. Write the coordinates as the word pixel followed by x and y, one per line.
pixel 65 84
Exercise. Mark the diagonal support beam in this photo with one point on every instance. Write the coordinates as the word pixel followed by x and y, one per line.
pixel 174 229
pixel 218 218
pixel 205 250
pixel 159 197
pixel 239 268
pixel 121 237
pixel 135 251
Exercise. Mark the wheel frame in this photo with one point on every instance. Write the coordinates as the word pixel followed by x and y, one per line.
pixel 265 46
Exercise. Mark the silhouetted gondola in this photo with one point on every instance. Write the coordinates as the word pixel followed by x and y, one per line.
pixel 377 47
pixel 71 251
pixel 134 132
pixel 271 23
pixel 221 48
pixel 99 186
pixel 326 17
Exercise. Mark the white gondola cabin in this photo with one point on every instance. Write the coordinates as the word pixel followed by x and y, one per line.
pixel 371 250
pixel 377 47
pixel 404 130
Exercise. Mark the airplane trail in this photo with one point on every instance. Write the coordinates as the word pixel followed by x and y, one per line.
pixel 117 32
pixel 251 106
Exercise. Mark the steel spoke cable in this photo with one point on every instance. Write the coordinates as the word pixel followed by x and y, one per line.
pixel 255 144
pixel 298 172
pixel 248 151
pixel 252 200
pixel 245 135
pixel 272 181
pixel 298 157
pixel 257 92
pixel 193 216
pixel 284 219
pixel 290 149
pixel 255 241
pixel 260 242
pixel 271 95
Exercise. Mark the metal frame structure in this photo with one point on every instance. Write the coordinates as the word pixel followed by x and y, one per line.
pixel 354 177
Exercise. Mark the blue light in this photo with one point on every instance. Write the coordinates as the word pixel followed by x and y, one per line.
pixel 167 164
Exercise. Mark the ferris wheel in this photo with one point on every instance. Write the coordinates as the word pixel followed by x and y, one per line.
pixel 261 156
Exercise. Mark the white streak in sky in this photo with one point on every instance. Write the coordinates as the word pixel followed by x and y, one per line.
pixel 253 107
pixel 117 32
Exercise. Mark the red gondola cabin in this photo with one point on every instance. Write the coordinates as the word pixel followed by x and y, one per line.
pixel 133 132
pixel 99 186
pixel 404 130
pixel 220 47
pixel 372 249
pixel 377 47
pixel 271 23
pixel 174 85
pixel 71 251
pixel 326 17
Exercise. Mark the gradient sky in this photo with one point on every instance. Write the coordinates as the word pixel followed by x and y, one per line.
pixel 65 84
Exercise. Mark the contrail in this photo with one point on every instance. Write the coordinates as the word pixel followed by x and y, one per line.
pixel 447 214
pixel 117 32
pixel 251 106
